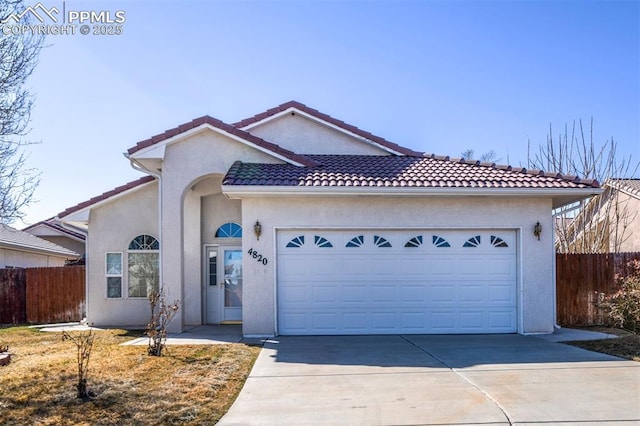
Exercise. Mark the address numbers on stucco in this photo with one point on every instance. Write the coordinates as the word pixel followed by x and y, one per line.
pixel 257 256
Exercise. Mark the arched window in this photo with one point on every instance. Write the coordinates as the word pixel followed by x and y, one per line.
pixel 143 259
pixel 229 230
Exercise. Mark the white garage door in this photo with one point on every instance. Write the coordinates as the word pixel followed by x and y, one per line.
pixel 388 281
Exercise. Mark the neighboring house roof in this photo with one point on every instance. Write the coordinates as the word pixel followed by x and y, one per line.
pixel 106 195
pixel 293 105
pixel 19 240
pixel 629 186
pixel 403 171
pixel 228 128
pixel 54 225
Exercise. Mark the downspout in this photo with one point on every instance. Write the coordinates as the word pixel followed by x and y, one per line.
pixel 553 269
pixel 136 165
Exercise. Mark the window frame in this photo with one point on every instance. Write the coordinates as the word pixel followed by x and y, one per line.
pixel 112 275
pixel 131 251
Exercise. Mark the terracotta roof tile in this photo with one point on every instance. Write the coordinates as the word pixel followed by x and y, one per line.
pixel 325 117
pixel 214 122
pixel 396 171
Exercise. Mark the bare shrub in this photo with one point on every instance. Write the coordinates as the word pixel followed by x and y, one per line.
pixel 84 345
pixel 161 316
pixel 623 307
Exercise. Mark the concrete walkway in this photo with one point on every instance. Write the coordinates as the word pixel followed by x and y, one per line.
pixel 194 335
pixel 445 380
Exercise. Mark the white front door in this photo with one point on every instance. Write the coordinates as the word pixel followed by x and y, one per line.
pixel 223 271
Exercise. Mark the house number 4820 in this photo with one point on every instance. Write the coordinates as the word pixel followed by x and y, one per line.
pixel 257 256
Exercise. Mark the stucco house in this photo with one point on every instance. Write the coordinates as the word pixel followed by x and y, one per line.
pixel 295 223
pixel 19 249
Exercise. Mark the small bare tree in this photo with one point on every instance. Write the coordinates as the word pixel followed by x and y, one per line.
pixel 598 225
pixel 18 58
pixel 84 345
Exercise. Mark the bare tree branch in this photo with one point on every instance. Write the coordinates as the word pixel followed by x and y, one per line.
pixel 600 224
pixel 18 58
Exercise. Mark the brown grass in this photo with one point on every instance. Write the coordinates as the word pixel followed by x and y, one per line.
pixel 188 385
pixel 627 345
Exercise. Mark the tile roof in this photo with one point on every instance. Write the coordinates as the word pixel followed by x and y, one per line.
pixel 105 195
pixel 398 171
pixel 12 237
pixel 315 113
pixel 214 122
pixel 632 186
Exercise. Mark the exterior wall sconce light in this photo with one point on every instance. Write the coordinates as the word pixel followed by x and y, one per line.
pixel 257 229
pixel 537 230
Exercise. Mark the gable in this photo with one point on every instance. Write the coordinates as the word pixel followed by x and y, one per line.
pixel 302 133
pixel 210 152
pixel 298 108
pixel 154 147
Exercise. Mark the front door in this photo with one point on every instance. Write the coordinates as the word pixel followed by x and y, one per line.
pixel 224 284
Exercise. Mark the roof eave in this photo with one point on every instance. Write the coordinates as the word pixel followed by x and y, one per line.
pixel 561 196
pixel 40 250
pixel 81 215
pixel 157 150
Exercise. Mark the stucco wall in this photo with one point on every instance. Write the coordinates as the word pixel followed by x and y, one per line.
pixel 535 258
pixel 185 165
pixel 22 259
pixel 631 236
pixel 303 135
pixel 111 229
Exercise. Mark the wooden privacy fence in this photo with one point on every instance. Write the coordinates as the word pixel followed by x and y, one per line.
pixel 13 296
pixel 42 295
pixel 579 279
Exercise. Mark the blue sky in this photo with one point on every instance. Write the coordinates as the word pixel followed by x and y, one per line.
pixel 434 76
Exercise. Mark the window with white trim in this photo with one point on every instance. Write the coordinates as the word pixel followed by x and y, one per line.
pixel 143 262
pixel 113 267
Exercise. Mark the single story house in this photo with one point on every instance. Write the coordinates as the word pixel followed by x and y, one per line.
pixel 19 249
pixel 295 223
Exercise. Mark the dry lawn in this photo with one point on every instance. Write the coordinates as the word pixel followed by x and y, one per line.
pixel 627 345
pixel 187 385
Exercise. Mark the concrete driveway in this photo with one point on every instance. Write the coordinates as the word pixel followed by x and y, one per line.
pixel 450 380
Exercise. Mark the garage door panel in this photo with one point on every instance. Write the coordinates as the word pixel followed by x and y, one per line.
pixel 413 321
pixel 359 282
pixel 470 320
pixel 355 322
pixel 413 294
pixel 501 320
pixel 442 293
pixel 474 292
pixel 501 293
pixel 354 294
pixel 383 321
pixel 442 321
pixel 325 294
pixel 292 295
pixel 383 293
